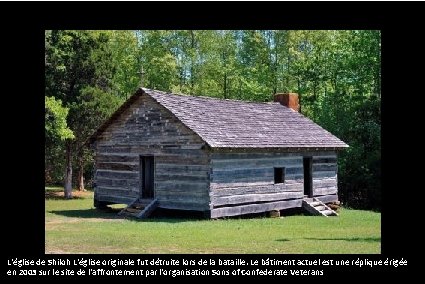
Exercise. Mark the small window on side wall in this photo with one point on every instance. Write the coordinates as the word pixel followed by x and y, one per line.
pixel 279 175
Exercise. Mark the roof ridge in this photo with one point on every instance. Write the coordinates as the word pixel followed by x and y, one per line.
pixel 242 125
pixel 206 97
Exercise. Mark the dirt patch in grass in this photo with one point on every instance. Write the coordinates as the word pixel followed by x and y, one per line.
pixel 59 195
pixel 82 220
pixel 57 251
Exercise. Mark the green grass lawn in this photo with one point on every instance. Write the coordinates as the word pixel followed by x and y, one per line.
pixel 75 226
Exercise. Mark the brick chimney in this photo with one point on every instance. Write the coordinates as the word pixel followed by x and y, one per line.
pixel 290 100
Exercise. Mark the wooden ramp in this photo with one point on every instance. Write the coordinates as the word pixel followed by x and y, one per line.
pixel 140 208
pixel 316 207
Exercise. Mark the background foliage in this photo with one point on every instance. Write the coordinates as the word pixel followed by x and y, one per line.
pixel 337 74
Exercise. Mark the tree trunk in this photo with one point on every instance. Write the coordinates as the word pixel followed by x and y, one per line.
pixel 192 62
pixel 288 72
pixel 240 88
pixel 276 71
pixel 299 94
pixel 335 79
pixel 68 173
pixel 378 84
pixel 81 176
pixel 225 74
pixel 299 102
pixel 225 86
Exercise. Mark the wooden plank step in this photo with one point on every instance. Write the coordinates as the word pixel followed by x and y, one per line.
pixel 310 209
pixel 137 205
pixel 124 210
pixel 140 208
pixel 131 215
pixel 316 207
pixel 148 209
pixel 143 202
pixel 133 210
pixel 328 212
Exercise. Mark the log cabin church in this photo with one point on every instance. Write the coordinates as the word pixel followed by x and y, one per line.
pixel 222 157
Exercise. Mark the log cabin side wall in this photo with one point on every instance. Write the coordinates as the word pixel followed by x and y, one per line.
pixel 325 176
pixel 181 175
pixel 244 182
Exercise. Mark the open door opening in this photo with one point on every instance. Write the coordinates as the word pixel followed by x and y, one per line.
pixel 308 177
pixel 147 176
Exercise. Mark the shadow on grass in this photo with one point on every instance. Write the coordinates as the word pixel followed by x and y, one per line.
pixel 353 239
pixel 282 240
pixel 160 215
pixel 174 216
pixel 52 195
pixel 88 213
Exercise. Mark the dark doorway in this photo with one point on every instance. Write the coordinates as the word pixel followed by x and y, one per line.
pixel 147 176
pixel 308 178
pixel 279 175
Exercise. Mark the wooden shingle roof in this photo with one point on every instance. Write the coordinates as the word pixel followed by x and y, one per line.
pixel 239 124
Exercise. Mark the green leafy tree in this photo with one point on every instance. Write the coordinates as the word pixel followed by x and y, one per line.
pixel 56 132
pixel 336 73
pixel 159 64
pixel 94 106
pixel 77 63
pixel 55 125
pixel 125 57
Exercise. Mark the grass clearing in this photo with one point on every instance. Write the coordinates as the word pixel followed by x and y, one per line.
pixel 75 226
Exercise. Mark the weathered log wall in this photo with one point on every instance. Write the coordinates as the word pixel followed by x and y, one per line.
pixel 243 182
pixel 181 162
pixel 325 181
pixel 190 177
